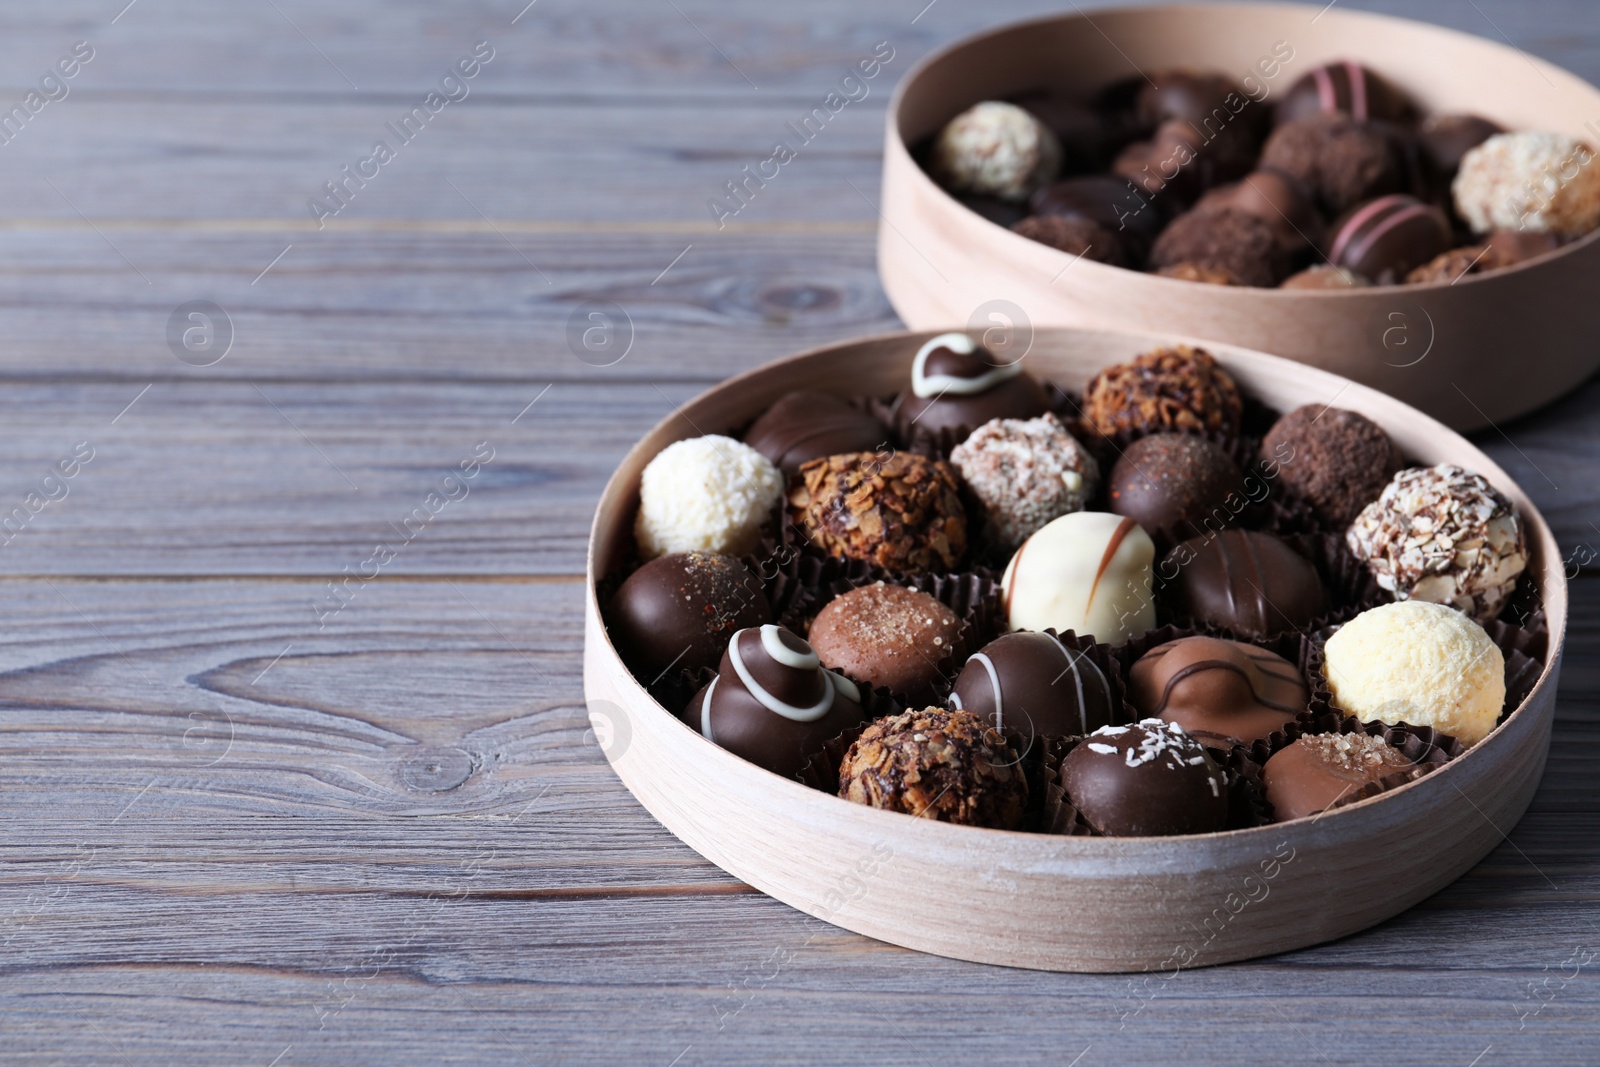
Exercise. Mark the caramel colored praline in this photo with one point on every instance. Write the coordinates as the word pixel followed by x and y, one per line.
pixel 1220 691
pixel 898 510
pixel 1180 388
pixel 934 763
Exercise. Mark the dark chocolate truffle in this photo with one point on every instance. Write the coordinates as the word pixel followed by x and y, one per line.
pixel 1075 236
pixel 1149 779
pixel 950 766
pixel 1345 88
pixel 1032 684
pixel 1177 484
pixel 1084 138
pixel 1337 460
pixel 1247 583
pixel 1180 388
pixel 678 611
pixel 1224 238
pixel 1319 772
pixel 1221 692
pixel 1109 202
pixel 891 636
pixel 1389 237
pixel 808 425
pixel 958 385
pixel 1283 201
pixel 772 701
pixel 898 510
pixel 1198 97
pixel 1182 162
pixel 1446 138
pixel 1343 162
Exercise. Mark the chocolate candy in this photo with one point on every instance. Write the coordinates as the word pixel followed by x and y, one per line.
pixel 1181 161
pixel 1336 460
pixel 1325 276
pixel 678 611
pixel 995 149
pixel 957 385
pixel 1088 572
pixel 1222 692
pixel 1111 203
pixel 1248 583
pixel 1342 162
pixel 1149 779
pixel 808 425
pixel 1032 684
pixel 772 702
pixel 1281 200
pixel 1446 138
pixel 949 766
pixel 1387 238
pixel 1316 773
pixel 888 635
pixel 1222 238
pixel 898 510
pixel 1346 88
pixel 1178 388
pixel 1177 484
pixel 1076 237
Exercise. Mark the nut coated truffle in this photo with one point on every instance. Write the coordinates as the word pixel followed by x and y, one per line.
pixel 997 149
pixel 950 766
pixel 1179 388
pixel 1226 239
pixel 1543 182
pixel 898 510
pixel 1337 460
pixel 710 494
pixel 1088 572
pixel 1025 472
pixel 679 610
pixel 1342 161
pixel 1417 663
pixel 888 635
pixel 1313 774
pixel 1149 779
pixel 1178 484
pixel 1444 535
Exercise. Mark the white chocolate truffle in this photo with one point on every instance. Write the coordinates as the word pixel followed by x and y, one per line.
pixel 1542 182
pixel 707 494
pixel 1026 472
pixel 1445 535
pixel 996 149
pixel 1418 663
pixel 1088 572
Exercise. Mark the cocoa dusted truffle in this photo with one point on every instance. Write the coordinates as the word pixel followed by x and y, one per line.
pixel 1149 779
pixel 1226 239
pixel 949 766
pixel 1325 276
pixel 1179 388
pixel 898 510
pixel 1345 88
pixel 997 149
pixel 958 385
pixel 1543 182
pixel 1244 582
pixel 888 635
pixel 1222 692
pixel 1178 484
pixel 1389 237
pixel 772 703
pixel 1313 774
pixel 808 425
pixel 1342 161
pixel 1445 535
pixel 679 611
pixel 1034 685
pixel 1075 236
pixel 1337 460
pixel 1283 201
pixel 1025 473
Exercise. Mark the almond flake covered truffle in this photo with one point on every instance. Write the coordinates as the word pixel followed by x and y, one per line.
pixel 1178 388
pixel 1026 472
pixel 708 494
pixel 898 510
pixel 1544 182
pixel 1443 535
pixel 997 149
pixel 950 766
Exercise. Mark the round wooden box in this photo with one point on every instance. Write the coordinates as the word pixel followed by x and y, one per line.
pixel 1064 903
pixel 1483 350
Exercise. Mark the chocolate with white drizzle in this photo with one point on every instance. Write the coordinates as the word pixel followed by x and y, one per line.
pixel 958 385
pixel 1219 691
pixel 1149 779
pixel 772 701
pixel 1032 684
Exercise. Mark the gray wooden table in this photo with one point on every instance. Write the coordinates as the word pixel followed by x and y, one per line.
pixel 269 795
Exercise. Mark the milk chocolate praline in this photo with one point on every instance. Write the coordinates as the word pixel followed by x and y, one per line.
pixel 888 635
pixel 1248 583
pixel 1148 779
pixel 1178 484
pixel 1220 691
pixel 949 766
pixel 806 425
pixel 678 611
pixel 779 709
pixel 958 385
pixel 1034 685
pixel 1313 774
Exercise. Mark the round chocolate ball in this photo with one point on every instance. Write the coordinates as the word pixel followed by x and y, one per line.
pixel 1148 779
pixel 1198 97
pixel 1343 162
pixel 1240 243
pixel 888 635
pixel 1244 582
pixel 1109 202
pixel 996 149
pixel 1084 138
pixel 1177 484
pixel 1283 201
pixel 958 385
pixel 949 766
pixel 1345 88
pixel 808 425
pixel 898 510
pixel 1446 138
pixel 1075 236
pixel 1313 774
pixel 1180 162
pixel 1032 684
pixel 772 702
pixel 1337 460
pixel 1025 473
pixel 1222 692
pixel 678 611
pixel 1179 388
pixel 1088 572
pixel 1389 237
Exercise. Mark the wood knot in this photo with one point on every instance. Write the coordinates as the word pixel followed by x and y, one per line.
pixel 435 770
